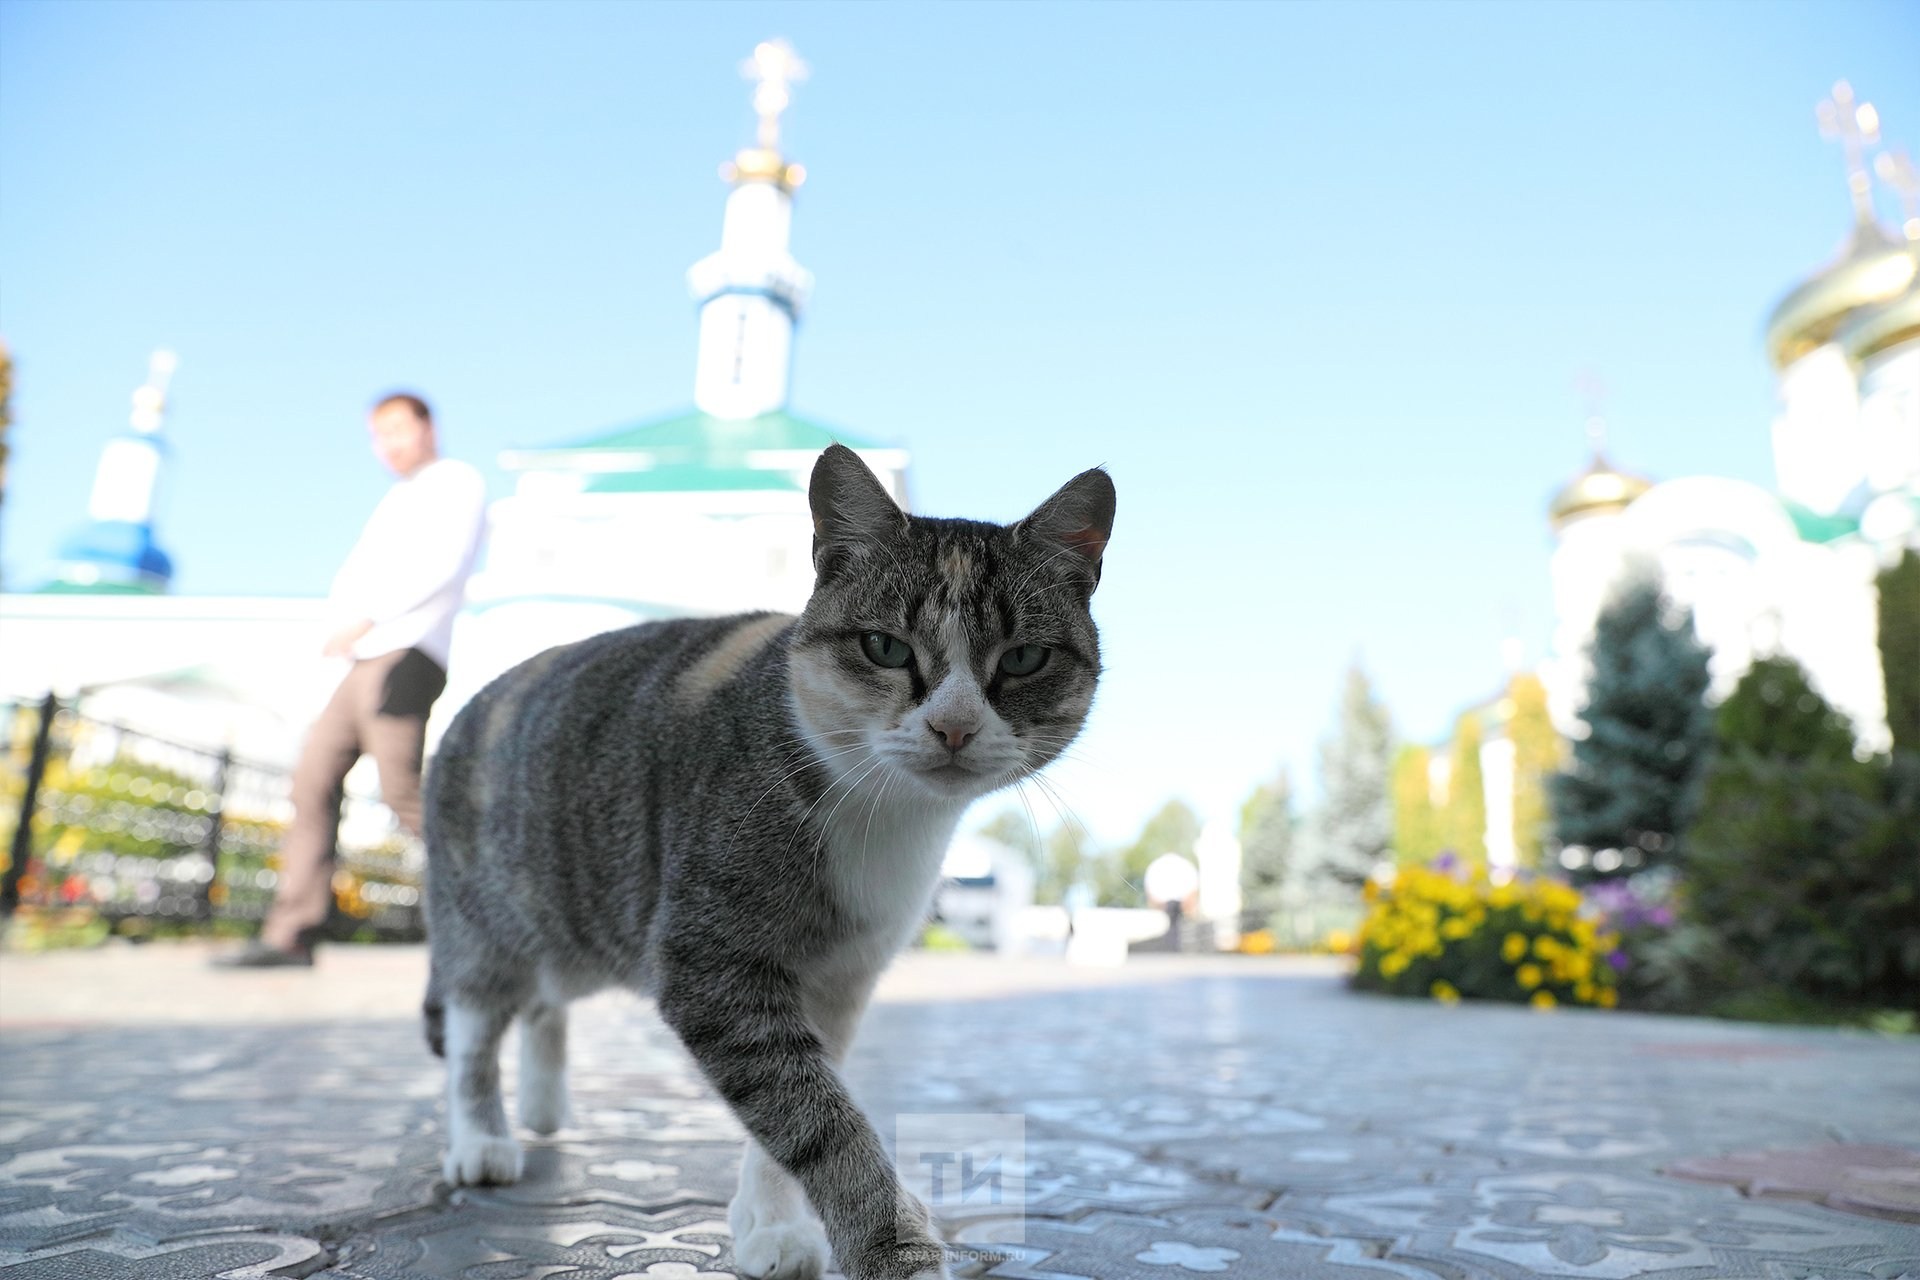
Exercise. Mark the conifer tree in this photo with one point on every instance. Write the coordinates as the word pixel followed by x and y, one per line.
pixel 1776 712
pixel 1633 784
pixel 1417 834
pixel 1355 768
pixel 1266 844
pixel 1900 648
pixel 1465 817
pixel 1536 757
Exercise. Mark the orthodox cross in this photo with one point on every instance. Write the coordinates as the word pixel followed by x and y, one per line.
pixel 774 68
pixel 150 400
pixel 1856 125
pixel 1895 168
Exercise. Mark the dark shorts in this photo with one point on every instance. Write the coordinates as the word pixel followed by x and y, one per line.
pixel 412 684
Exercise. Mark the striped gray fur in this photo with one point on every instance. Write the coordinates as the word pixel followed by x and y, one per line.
pixel 744 818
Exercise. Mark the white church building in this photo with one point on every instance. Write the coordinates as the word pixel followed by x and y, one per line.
pixel 1788 570
pixel 716 493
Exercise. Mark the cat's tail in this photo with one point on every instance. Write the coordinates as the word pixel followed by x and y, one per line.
pixel 434 1010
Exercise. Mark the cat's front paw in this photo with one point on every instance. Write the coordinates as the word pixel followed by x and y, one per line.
pixel 782 1251
pixel 479 1159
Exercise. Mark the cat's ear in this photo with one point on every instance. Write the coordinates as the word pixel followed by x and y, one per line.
pixel 851 508
pixel 1078 518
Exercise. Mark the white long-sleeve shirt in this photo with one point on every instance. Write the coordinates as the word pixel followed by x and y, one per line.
pixel 408 572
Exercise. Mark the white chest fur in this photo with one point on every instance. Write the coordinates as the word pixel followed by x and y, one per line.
pixel 885 844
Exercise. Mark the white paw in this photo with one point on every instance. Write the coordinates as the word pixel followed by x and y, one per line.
pixel 543 1106
pixel 782 1251
pixel 476 1159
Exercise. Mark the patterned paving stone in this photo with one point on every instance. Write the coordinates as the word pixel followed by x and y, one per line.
pixel 1879 1180
pixel 1227 1242
pixel 476 1238
pixel 1227 1123
pixel 1596 1224
pixel 227 1257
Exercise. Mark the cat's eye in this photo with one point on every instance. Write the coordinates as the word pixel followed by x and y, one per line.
pixel 886 650
pixel 1023 659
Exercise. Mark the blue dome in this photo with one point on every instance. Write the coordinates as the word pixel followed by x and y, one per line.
pixel 119 552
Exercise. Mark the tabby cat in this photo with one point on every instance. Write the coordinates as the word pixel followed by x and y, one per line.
pixel 744 818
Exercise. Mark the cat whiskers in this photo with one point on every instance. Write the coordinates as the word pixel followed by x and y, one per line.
pixel 853 775
pixel 1069 817
pixel 879 762
pixel 810 757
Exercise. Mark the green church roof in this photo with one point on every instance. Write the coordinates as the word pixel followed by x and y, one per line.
pixel 689 479
pixel 1814 527
pixel 60 587
pixel 698 437
pixel 691 452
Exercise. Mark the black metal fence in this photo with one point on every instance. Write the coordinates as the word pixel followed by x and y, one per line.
pixel 149 835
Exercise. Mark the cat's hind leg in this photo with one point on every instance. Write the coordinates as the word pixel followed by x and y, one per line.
pixel 479 1148
pixel 543 1067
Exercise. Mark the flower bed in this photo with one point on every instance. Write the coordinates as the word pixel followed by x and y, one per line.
pixel 1451 934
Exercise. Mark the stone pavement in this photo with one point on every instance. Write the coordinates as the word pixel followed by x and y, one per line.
pixel 1183 1117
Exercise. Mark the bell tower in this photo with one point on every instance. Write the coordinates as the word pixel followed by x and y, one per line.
pixel 750 292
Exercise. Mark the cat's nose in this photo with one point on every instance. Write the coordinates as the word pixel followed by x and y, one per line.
pixel 955 733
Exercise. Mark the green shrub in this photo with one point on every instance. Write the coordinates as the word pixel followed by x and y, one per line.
pixel 1809 872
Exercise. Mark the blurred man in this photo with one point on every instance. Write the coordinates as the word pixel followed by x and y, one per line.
pixel 392 606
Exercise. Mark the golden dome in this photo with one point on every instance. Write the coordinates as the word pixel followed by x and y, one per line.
pixel 1880 328
pixel 1872 267
pixel 1600 487
pixel 763 164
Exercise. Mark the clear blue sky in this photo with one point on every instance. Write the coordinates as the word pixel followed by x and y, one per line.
pixel 1315 282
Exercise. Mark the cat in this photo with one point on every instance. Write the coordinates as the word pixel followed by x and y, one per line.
pixel 744 818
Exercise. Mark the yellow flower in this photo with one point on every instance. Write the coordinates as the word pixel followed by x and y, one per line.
pixel 1513 947
pixel 1543 1000
pixel 1583 992
pixel 1608 998
pixel 1445 992
pixel 1545 946
pixel 1528 976
pixel 1394 963
pixel 1456 928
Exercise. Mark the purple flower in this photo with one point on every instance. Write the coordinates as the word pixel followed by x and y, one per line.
pixel 1662 916
pixel 1618 959
pixel 1446 862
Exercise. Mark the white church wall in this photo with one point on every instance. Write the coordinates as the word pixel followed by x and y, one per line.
pixel 1829 623
pixel 1716 542
pixel 1890 418
pixel 213 671
pixel 1729 552
pixel 1587 559
pixel 1819 455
